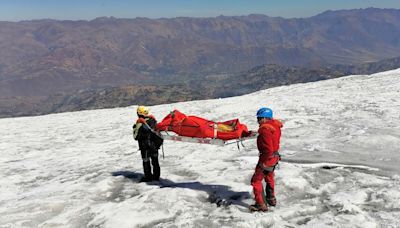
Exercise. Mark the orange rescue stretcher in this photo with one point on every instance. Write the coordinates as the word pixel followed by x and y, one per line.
pixel 177 126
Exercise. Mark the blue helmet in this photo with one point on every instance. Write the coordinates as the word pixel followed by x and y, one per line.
pixel 264 113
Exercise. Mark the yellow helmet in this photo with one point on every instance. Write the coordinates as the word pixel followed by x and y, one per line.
pixel 142 110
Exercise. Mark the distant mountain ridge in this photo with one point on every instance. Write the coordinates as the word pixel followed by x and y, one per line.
pixel 46 56
pixel 49 60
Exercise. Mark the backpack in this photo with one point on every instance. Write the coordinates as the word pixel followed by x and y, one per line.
pixel 156 139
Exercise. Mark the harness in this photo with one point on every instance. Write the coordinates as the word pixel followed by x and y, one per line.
pixel 270 168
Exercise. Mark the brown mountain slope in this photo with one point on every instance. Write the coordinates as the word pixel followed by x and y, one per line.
pixel 50 66
pixel 215 86
pixel 42 57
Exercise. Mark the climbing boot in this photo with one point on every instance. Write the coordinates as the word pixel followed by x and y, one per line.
pixel 258 207
pixel 271 201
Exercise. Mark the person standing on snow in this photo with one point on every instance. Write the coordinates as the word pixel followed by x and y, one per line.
pixel 268 140
pixel 143 132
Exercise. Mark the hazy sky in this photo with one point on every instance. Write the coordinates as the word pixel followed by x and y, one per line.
pixel 16 10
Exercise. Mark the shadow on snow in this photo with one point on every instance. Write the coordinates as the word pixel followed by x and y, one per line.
pixel 221 195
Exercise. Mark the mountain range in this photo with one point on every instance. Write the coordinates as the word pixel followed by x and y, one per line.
pixel 43 62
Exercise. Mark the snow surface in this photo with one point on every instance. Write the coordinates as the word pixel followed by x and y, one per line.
pixel 340 167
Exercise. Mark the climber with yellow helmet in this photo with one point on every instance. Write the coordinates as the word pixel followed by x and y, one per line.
pixel 149 143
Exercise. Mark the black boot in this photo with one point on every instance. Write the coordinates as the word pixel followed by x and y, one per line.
pixel 258 207
pixel 271 201
pixel 147 172
pixel 156 168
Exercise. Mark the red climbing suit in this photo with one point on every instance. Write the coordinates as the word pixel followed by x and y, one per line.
pixel 268 145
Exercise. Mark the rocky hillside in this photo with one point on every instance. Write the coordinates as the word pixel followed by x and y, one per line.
pixel 215 86
pixel 44 57
pixel 50 66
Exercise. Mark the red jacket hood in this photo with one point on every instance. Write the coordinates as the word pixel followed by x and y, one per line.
pixel 271 124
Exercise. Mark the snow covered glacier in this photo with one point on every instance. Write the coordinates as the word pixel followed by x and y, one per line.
pixel 340 167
